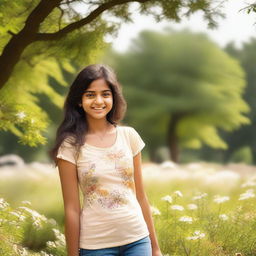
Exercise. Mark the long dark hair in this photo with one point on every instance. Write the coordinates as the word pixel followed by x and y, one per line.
pixel 74 123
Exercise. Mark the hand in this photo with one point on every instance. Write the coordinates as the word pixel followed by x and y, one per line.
pixel 157 252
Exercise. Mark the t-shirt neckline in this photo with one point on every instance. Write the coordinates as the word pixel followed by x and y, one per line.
pixel 104 148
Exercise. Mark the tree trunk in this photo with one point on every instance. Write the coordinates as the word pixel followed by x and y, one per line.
pixel 172 138
pixel 11 55
pixel 15 47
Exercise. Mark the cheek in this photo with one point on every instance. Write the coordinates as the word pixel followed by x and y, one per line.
pixel 86 102
pixel 110 101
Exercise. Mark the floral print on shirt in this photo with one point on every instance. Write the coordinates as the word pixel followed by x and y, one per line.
pixel 94 191
pixel 90 183
pixel 113 200
pixel 115 155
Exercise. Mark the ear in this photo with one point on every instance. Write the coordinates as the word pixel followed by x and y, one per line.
pixel 80 105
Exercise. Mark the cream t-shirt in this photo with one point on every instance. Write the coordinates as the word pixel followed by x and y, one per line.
pixel 111 215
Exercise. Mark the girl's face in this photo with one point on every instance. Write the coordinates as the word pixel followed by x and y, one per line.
pixel 97 100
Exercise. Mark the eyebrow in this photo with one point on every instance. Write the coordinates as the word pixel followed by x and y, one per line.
pixel 101 91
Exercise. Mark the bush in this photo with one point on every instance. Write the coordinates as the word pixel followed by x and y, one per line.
pixel 26 232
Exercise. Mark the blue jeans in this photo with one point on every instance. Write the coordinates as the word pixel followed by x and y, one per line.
pixel 141 247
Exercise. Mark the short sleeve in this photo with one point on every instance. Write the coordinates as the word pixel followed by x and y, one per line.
pixel 136 142
pixel 67 151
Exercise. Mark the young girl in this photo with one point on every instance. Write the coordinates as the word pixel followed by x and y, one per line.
pixel 104 158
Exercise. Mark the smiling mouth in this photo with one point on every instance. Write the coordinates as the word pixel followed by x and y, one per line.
pixel 98 108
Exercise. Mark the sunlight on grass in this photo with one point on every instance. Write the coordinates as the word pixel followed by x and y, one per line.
pixel 199 209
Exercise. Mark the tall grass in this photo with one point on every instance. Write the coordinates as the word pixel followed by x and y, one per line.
pixel 199 211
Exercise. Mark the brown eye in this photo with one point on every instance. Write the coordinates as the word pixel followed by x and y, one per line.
pixel 106 94
pixel 89 95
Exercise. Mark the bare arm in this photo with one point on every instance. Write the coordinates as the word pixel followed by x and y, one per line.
pixel 70 193
pixel 144 204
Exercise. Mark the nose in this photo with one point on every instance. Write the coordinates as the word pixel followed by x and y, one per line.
pixel 98 99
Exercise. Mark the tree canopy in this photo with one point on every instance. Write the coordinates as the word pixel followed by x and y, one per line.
pixel 38 38
pixel 245 136
pixel 184 86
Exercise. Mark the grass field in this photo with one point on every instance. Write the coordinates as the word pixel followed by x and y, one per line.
pixel 199 209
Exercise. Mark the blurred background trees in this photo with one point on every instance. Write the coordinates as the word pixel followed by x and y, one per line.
pixel 40 38
pixel 243 140
pixel 188 98
pixel 181 90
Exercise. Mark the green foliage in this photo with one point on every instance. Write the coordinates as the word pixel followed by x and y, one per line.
pixel 80 44
pixel 242 155
pixel 26 232
pixel 13 14
pixel 201 220
pixel 216 212
pixel 185 74
pixel 245 136
pixel 174 10
pixel 19 110
pixel 250 8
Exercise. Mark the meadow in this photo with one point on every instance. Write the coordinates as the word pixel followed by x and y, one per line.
pixel 199 209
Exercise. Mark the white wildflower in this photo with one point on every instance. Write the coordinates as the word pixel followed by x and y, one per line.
pixel 52 221
pixel 198 197
pixel 192 237
pixel 248 194
pixel 186 219
pixel 221 199
pixel 155 211
pixel 26 202
pixel 15 248
pixel 249 183
pixel 51 244
pixel 21 114
pixel 59 235
pixel 37 223
pixel 21 252
pixel 196 235
pixel 43 253
pixel 3 204
pixel 178 193
pixel 167 198
pixel 35 215
pixel 15 214
pixel 192 206
pixel 22 218
pixel 19 215
pixel 223 217
pixel 24 252
pixel 177 207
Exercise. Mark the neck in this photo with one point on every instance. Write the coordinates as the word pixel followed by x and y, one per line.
pixel 97 126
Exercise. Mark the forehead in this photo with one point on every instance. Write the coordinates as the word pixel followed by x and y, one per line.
pixel 98 85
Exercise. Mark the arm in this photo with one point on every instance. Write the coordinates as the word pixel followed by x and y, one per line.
pixel 144 204
pixel 70 193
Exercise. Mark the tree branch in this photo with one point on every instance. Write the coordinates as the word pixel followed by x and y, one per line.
pixel 38 15
pixel 61 15
pixel 78 24
pixel 19 41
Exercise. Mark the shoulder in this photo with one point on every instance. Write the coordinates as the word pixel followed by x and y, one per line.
pixel 126 128
pixel 67 150
pixel 68 141
pixel 129 132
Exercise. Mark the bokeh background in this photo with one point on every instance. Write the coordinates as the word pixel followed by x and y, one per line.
pixel 188 73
